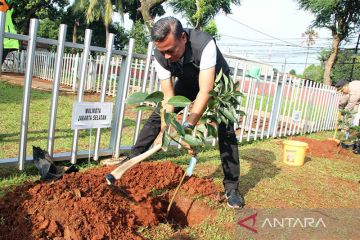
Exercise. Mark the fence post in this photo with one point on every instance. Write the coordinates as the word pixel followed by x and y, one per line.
pixel 2 30
pixel 56 86
pixel 277 106
pixel 121 97
pixel 27 90
pixel 109 47
pixel 22 60
pixel 267 105
pixel 83 66
pixel 143 88
pixel 75 71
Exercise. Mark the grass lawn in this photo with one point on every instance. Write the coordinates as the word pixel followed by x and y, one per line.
pixel 10 108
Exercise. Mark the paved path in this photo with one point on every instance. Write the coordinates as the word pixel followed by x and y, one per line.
pixel 37 83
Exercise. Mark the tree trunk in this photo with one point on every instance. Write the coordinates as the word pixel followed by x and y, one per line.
pixel 331 60
pixel 74 33
pixel 197 25
pixel 145 8
pixel 26 24
pixel 307 55
pixel 107 33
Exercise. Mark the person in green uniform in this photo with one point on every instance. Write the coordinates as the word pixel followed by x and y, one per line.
pixel 9 44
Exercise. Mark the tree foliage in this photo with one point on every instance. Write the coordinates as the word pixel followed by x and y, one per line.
pixel 292 72
pixel 314 72
pixel 211 29
pixel 199 12
pixel 48 28
pixel 141 36
pixel 99 10
pixel 121 36
pixel 343 65
pixel 310 36
pixel 25 10
pixel 341 17
pixel 77 24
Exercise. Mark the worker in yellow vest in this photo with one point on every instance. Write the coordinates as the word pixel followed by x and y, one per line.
pixel 9 44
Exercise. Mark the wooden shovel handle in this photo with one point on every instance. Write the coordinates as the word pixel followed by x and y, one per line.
pixel 119 171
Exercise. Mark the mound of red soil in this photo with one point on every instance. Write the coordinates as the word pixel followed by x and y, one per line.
pixel 327 149
pixel 82 206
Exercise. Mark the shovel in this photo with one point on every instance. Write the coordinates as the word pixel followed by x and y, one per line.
pixel 336 130
pixel 188 173
pixel 119 171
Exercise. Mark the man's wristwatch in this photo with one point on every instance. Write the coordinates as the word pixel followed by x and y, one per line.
pixel 187 125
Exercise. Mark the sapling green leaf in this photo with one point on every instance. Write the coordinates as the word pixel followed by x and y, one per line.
pixel 179 129
pixel 167 117
pixel 143 108
pixel 155 97
pixel 218 77
pixel 165 140
pixel 201 128
pixel 211 130
pixel 192 141
pixel 179 101
pixel 136 98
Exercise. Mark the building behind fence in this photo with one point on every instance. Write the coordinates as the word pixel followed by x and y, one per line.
pixel 274 105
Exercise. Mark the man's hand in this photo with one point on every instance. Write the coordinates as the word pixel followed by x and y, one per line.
pixel 186 125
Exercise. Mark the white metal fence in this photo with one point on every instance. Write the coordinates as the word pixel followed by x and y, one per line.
pixel 44 66
pixel 275 105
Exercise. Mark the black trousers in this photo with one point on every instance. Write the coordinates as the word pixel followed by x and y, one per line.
pixel 5 53
pixel 228 145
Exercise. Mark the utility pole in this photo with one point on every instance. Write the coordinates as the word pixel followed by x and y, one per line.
pixel 270 52
pixel 284 66
pixel 354 58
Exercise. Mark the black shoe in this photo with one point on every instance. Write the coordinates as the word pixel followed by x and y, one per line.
pixel 110 179
pixel 346 146
pixel 72 168
pixel 234 199
pixel 356 150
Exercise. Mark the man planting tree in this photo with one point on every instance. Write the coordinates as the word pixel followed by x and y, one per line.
pixel 193 57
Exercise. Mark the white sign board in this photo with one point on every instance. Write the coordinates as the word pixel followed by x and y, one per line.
pixel 91 115
pixel 296 117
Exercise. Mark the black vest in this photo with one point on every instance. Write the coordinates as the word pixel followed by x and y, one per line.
pixel 188 67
